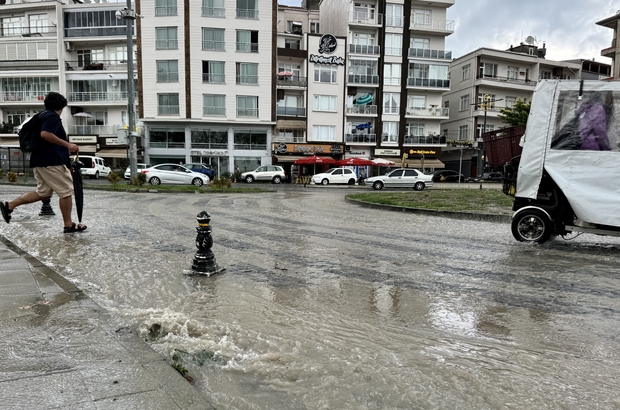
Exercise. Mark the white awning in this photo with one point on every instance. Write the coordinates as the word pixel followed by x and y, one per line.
pixel 417 163
pixel 113 153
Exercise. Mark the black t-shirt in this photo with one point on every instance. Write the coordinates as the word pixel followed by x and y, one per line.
pixel 48 154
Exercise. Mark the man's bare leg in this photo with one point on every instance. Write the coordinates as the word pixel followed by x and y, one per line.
pixel 27 198
pixel 66 205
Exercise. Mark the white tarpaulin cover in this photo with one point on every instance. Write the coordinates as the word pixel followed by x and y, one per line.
pixel 577 141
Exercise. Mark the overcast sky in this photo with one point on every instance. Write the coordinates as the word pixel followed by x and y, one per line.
pixel 566 26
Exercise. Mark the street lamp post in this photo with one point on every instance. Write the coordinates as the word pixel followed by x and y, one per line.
pixel 129 16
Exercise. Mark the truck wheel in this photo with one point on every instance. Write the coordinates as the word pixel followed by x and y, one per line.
pixel 531 225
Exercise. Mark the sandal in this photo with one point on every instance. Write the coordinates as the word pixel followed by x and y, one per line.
pixel 6 212
pixel 75 228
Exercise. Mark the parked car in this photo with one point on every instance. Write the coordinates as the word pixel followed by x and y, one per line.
pixel 488 177
pixel 272 173
pixel 174 174
pixel 140 167
pixel 202 168
pixel 447 175
pixel 401 178
pixel 94 167
pixel 335 176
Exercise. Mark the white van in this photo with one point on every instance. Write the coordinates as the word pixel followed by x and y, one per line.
pixel 94 167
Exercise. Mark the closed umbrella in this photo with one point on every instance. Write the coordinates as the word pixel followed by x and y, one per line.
pixel 78 188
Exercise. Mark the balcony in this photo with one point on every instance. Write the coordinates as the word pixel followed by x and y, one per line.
pixel 363 79
pixel 424 140
pixel 506 80
pixel 247 79
pixel 247 14
pixel 291 81
pixel 291 111
pixel 247 47
pixel 433 25
pixel 247 112
pixel 72 32
pixel 41 31
pixel 287 137
pixel 427 53
pixel 364 49
pixel 361 109
pixel 427 82
pixel 99 97
pixel 166 45
pixel 22 96
pixel 213 12
pixel 363 18
pixel 167 77
pixel 214 111
pixel 427 112
pixel 167 110
pixel 96 65
pixel 211 45
pixel 370 139
pixel 94 129
pixel 214 78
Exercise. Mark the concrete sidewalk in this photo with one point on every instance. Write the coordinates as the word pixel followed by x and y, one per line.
pixel 59 349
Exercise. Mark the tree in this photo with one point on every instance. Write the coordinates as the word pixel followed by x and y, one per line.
pixel 517 115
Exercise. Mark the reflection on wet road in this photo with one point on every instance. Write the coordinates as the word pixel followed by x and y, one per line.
pixel 326 305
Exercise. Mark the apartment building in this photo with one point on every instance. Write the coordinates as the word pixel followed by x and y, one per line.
pixel 207 70
pixel 76 49
pixel 612 51
pixel 396 70
pixel 501 76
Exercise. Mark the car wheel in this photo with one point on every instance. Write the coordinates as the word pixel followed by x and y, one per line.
pixel 249 179
pixel 276 180
pixel 325 181
pixel 351 181
pixel 197 182
pixel 419 186
pixel 531 225
pixel 377 185
pixel 154 181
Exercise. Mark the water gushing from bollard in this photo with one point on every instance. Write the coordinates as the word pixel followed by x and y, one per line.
pixel 204 260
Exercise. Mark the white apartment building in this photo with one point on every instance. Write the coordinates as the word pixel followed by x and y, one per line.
pixel 76 49
pixel 504 76
pixel 206 82
pixel 612 51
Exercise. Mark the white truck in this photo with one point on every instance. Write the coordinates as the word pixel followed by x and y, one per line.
pixel 567 179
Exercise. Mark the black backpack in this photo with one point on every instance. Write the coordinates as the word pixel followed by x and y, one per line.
pixel 30 134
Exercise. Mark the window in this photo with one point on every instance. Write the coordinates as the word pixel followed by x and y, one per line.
pixel 513 73
pixel 421 17
pixel 213 8
pixel 416 104
pixel 167 71
pixel 118 54
pixel 247 41
pixel 38 23
pixel 325 74
pixel 23 88
pixel 210 138
pixel 11 26
pixel 247 73
pixel 166 38
pixel 393 44
pixel 394 15
pixel 479 131
pixel 314 27
pixel 294 27
pixel 165 7
pixel 292 44
pixel 247 9
pixel 363 67
pixel 168 104
pixel 391 103
pixel 250 139
pixel 510 101
pixel 463 133
pixel 466 72
pixel 464 102
pixel 213 39
pixel 488 70
pixel 364 13
pixel 390 132
pixel 545 75
pixel 421 43
pixel 213 104
pixel 166 138
pixel 247 106
pixel 214 72
pixel 415 129
pixel 88 57
pixel 324 103
pixel 391 74
pixel 323 133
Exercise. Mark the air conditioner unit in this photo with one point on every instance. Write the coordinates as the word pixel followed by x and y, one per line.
pixel 68 46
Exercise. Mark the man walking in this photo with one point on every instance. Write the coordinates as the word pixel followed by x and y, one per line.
pixel 50 165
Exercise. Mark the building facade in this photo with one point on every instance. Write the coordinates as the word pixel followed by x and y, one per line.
pixel 613 23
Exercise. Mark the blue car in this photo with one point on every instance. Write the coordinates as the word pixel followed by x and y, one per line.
pixel 206 169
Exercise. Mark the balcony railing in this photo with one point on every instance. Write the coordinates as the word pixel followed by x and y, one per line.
pixel 393 21
pixel 247 79
pixel 99 96
pixel 427 53
pixel 446 26
pixel 292 81
pixel 425 112
pixel 166 11
pixel 94 129
pixel 213 12
pixel 512 80
pixel 167 77
pixel 247 112
pixel 288 138
pixel 95 65
pixel 214 78
pixel 26 96
pixel 249 14
pixel 247 47
pixel 211 45
pixel 362 109
pixel 427 82
pixel 425 139
pixel 42 31
pixel 364 49
pixel 291 111
pixel 363 79
pixel 71 32
pixel 361 138
pixel 166 44
pixel 214 111
pixel 167 110
pixel 365 18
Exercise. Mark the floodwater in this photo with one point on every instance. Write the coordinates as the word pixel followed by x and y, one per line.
pixel 327 305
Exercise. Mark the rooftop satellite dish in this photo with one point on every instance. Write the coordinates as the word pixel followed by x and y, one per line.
pixel 530 40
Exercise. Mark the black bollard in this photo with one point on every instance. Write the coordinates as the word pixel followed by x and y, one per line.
pixel 204 260
pixel 46 208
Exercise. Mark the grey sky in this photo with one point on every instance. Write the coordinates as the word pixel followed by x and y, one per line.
pixel 566 26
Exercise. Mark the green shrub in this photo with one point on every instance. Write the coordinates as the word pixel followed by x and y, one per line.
pixel 1 173
pixel 139 179
pixel 25 176
pixel 12 176
pixel 221 182
pixel 113 178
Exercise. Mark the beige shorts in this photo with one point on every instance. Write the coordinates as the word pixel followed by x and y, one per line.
pixel 56 178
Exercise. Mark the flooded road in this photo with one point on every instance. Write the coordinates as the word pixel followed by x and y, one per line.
pixel 327 305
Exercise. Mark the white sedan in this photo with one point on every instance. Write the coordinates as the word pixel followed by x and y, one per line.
pixel 335 176
pixel 401 178
pixel 175 175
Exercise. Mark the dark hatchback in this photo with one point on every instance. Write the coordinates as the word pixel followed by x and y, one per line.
pixel 447 175
pixel 206 169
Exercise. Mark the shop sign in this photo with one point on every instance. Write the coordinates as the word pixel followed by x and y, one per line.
pixel 358 153
pixel 328 44
pixel 210 152
pixel 387 152
pixel 283 148
pixel 76 139
pixel 421 152
pixel 333 60
pixel 114 141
